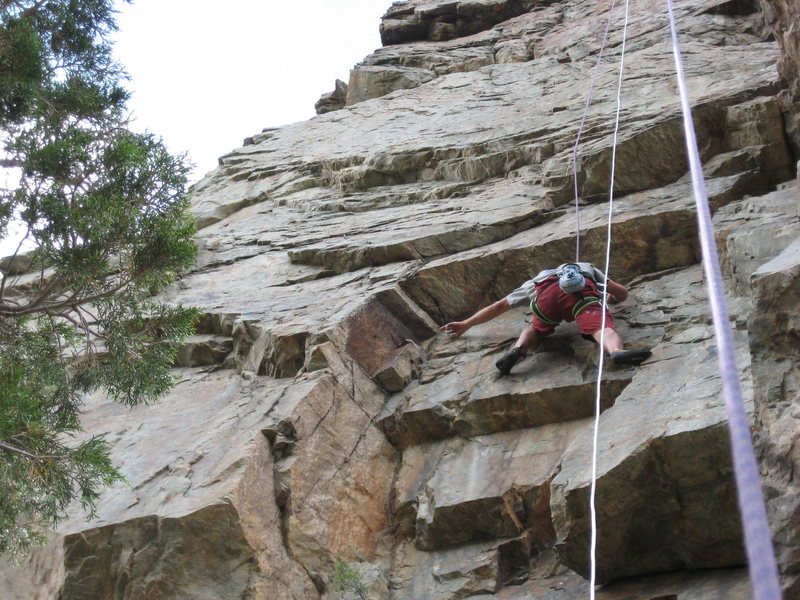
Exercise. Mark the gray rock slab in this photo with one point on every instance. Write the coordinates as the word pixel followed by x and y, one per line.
pixel 173 469
pixel 773 327
pixel 490 111
pixel 271 330
pixel 162 556
pixel 463 395
pixel 719 584
pixel 655 233
pixel 483 487
pixel 199 479
pixel 665 489
pixel 490 212
pixel 740 230
pixel 467 570
pixel 329 250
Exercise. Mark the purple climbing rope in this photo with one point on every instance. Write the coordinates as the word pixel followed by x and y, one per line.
pixel 758 539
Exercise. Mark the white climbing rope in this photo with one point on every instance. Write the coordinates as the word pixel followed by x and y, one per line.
pixel 589 98
pixel 593 487
pixel 758 543
pixel 758 540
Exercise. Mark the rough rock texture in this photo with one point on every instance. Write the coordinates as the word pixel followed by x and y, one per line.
pixel 774 333
pixel 445 20
pixel 783 20
pixel 332 100
pixel 321 416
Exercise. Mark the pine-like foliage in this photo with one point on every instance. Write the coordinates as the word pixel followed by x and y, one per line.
pixel 348 582
pixel 106 211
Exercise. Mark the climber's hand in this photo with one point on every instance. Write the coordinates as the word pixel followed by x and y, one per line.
pixel 455 329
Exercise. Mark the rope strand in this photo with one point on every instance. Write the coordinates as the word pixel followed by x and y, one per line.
pixel 593 488
pixel 758 540
pixel 589 98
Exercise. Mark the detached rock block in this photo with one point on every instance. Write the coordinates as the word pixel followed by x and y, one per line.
pixel 16 264
pixel 367 82
pixel 197 517
pixel 487 487
pixel 204 350
pixel 401 368
pixel 465 571
pixel 334 100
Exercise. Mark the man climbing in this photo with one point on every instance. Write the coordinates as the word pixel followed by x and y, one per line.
pixel 570 292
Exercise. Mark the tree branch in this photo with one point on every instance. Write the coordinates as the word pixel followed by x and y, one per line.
pixel 16 253
pixel 38 306
pixel 81 323
pixel 33 9
pixel 21 452
pixel 6 3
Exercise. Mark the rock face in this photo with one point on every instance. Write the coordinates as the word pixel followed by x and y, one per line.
pixel 332 100
pixel 783 20
pixel 443 20
pixel 320 415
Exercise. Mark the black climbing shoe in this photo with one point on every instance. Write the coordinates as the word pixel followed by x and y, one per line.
pixel 507 362
pixel 630 357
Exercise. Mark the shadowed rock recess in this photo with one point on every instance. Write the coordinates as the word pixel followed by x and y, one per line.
pixel 319 414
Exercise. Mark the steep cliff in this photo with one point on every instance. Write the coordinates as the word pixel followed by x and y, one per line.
pixel 321 416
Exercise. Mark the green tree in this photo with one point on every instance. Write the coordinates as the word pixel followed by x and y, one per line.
pixel 348 582
pixel 107 214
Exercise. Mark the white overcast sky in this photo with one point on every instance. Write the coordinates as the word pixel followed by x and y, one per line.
pixel 207 74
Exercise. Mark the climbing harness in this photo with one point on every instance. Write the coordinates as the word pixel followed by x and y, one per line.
pixel 758 540
pixel 580 305
pixel 584 303
pixel 542 317
pixel 577 308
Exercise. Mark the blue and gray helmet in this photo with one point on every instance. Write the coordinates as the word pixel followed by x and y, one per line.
pixel 571 279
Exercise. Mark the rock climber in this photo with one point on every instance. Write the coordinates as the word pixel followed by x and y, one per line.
pixel 570 292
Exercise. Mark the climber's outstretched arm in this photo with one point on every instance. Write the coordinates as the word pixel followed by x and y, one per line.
pixel 617 292
pixel 457 328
